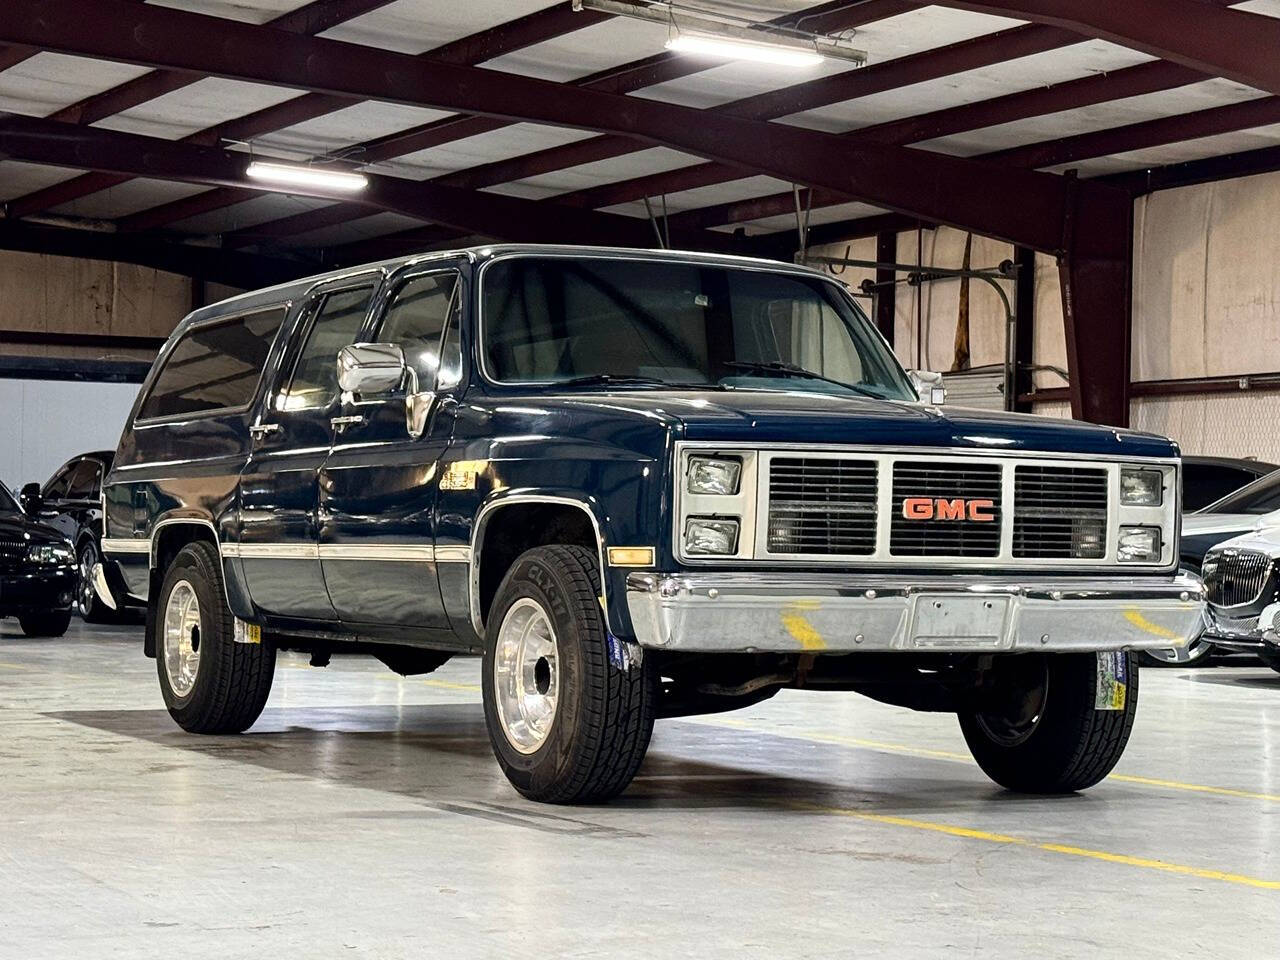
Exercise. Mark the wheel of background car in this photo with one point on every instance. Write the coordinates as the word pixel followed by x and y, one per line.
pixel 211 684
pixel 1040 725
pixel 46 623
pixel 567 723
pixel 90 608
pixel 1272 660
pixel 1195 654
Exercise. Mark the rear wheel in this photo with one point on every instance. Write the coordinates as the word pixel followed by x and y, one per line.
pixel 211 683
pixel 569 721
pixel 1272 660
pixel 45 623
pixel 88 606
pixel 1053 723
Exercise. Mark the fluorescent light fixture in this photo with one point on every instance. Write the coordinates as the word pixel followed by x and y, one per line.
pixel 784 56
pixel 293 175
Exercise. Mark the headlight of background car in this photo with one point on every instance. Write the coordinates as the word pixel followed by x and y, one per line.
pixel 49 554
pixel 709 536
pixel 714 475
pixel 1139 545
pixel 1141 488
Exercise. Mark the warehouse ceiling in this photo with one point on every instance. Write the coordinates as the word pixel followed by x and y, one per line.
pixel 1011 94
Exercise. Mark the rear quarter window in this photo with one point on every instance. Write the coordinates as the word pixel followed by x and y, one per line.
pixel 215 366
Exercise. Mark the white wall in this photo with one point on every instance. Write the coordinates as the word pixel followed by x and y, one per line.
pixel 44 423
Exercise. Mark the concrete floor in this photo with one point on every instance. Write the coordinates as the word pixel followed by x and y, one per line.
pixel 364 816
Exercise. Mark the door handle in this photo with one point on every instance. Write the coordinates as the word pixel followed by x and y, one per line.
pixel 260 430
pixel 347 421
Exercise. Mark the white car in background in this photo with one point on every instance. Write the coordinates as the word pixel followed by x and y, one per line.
pixel 1230 543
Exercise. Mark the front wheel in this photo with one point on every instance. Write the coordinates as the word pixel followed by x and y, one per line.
pixel 569 716
pixel 1195 654
pixel 46 623
pixel 1272 660
pixel 211 683
pixel 1053 723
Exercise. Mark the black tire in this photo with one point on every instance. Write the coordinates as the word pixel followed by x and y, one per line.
pixel 605 712
pixel 88 606
pixel 1070 744
pixel 45 623
pixel 232 680
pixel 1272 660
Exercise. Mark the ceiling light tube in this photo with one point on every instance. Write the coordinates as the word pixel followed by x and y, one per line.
pixel 293 175
pixel 785 56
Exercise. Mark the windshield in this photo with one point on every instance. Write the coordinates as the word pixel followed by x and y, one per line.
pixel 7 503
pixel 657 323
pixel 1261 496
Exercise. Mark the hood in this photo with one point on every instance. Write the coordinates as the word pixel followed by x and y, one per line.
pixel 767 416
pixel 18 526
pixel 1263 540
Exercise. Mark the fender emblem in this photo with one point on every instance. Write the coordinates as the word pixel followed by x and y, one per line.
pixel 941 508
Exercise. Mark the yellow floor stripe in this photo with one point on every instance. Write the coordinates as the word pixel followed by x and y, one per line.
pixel 969 833
pixel 13 666
pixel 449 685
pixel 965 758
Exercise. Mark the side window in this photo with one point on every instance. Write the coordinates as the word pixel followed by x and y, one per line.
pixel 338 318
pixel 215 366
pixel 416 319
pixel 57 487
pixel 84 481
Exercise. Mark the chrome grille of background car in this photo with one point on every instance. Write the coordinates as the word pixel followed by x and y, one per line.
pixel 1059 512
pixel 1235 577
pixel 822 506
pixel 11 553
pixel 945 481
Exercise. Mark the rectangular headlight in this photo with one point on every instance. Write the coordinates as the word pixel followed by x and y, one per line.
pixel 714 475
pixel 1139 545
pixel 1141 488
pixel 49 554
pixel 710 536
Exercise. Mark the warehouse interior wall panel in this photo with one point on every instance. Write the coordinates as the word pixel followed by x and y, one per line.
pixel 1220 425
pixel 1206 293
pixel 41 293
pixel 47 422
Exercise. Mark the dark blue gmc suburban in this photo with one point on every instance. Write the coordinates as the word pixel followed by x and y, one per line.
pixel 641 485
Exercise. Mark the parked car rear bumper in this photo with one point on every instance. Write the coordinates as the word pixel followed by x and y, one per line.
pixel 846 613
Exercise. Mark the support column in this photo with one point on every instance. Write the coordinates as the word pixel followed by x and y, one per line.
pixel 886 252
pixel 1095 266
pixel 1024 332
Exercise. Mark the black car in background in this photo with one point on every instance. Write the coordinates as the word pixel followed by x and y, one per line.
pixel 38 573
pixel 71 502
pixel 1206 480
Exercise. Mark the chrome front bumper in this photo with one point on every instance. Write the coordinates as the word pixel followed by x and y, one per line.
pixel 844 613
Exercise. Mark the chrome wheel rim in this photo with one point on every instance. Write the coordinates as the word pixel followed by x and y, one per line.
pixel 182 638
pixel 84 596
pixel 1193 652
pixel 1018 717
pixel 526 675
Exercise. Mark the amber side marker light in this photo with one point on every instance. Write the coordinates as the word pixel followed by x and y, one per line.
pixel 631 556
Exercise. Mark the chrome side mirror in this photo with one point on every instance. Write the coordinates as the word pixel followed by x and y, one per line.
pixel 371 368
pixel 929 386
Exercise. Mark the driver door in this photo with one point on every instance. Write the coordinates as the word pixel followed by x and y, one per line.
pixel 378 485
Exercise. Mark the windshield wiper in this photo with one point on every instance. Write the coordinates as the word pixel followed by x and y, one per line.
pixel 793 370
pixel 610 379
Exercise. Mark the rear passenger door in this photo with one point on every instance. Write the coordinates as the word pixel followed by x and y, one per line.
pixel 278 489
pixel 378 487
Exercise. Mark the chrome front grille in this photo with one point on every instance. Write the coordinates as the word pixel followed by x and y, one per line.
pixel 949 488
pixel 821 505
pixel 1234 578
pixel 1059 512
